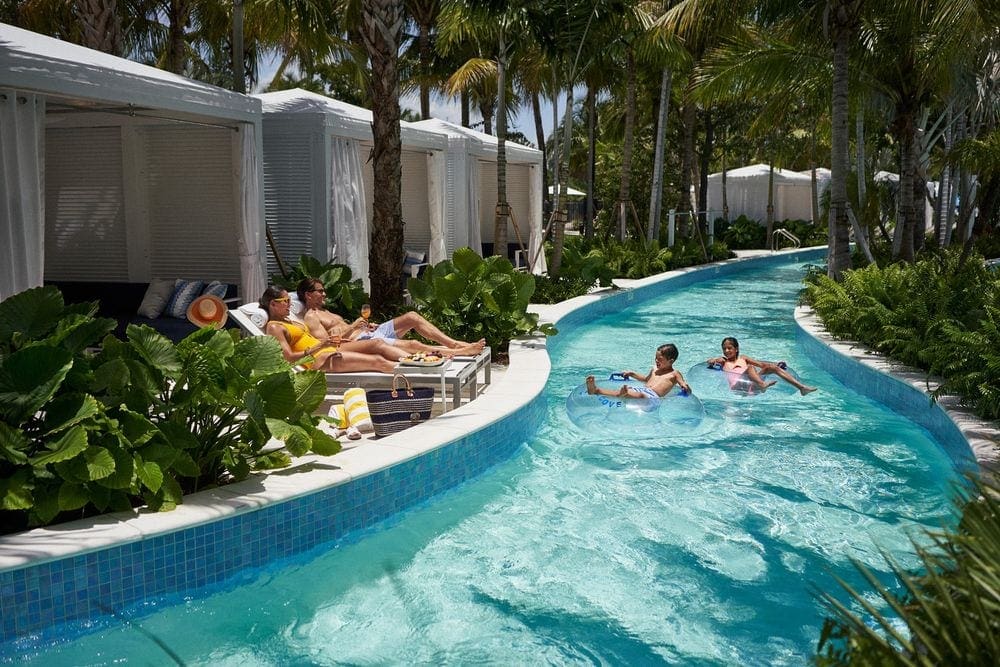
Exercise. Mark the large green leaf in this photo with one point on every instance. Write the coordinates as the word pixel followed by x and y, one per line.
pixel 150 474
pixel 135 427
pixel 310 390
pixel 72 496
pixel 112 376
pixel 155 348
pixel 449 288
pixel 296 440
pixel 259 355
pixel 185 466
pixel 323 444
pixel 69 410
pixel 13 445
pixel 100 463
pixel 32 313
pixel 178 435
pixel 466 260
pixel 121 478
pixel 278 392
pixel 29 378
pixel 79 332
pixel 15 491
pixel 72 443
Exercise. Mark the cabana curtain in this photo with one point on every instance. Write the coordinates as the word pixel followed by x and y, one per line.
pixel 22 188
pixel 348 214
pixel 472 197
pixel 253 280
pixel 437 176
pixel 536 254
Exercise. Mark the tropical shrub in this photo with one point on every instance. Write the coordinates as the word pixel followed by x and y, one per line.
pixel 948 612
pixel 939 314
pixel 745 234
pixel 343 295
pixel 472 298
pixel 805 231
pixel 140 421
pixel 582 263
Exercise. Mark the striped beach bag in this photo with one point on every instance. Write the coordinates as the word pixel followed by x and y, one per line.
pixel 393 410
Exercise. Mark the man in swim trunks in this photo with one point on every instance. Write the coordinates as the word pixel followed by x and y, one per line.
pixel 322 324
pixel 659 381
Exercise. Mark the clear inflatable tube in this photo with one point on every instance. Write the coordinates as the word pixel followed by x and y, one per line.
pixel 678 410
pixel 709 380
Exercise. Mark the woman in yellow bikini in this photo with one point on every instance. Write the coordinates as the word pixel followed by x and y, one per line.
pixel 297 343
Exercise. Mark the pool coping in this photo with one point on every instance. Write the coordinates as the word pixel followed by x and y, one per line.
pixel 71 560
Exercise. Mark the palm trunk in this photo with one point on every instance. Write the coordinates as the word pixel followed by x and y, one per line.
pixel 706 156
pixel 178 14
pixel 382 30
pixel 239 77
pixel 559 229
pixel 725 196
pixel 465 104
pixel 536 113
pixel 588 229
pixel 624 196
pixel 859 141
pixel 770 203
pixel 843 14
pixel 502 214
pixel 656 190
pixel 907 212
pixel 690 119
pixel 426 56
pixel 102 28
pixel 813 184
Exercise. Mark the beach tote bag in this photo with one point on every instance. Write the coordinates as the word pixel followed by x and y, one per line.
pixel 393 410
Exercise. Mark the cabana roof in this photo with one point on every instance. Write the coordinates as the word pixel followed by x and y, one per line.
pixel 343 119
pixel 87 79
pixel 482 144
pixel 753 171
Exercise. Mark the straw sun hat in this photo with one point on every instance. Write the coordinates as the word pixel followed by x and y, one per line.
pixel 208 311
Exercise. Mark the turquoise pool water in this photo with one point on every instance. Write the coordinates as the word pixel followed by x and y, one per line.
pixel 693 549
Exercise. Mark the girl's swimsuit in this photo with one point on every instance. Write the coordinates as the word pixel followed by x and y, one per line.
pixel 302 340
pixel 735 375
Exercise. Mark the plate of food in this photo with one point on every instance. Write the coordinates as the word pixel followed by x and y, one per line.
pixel 422 359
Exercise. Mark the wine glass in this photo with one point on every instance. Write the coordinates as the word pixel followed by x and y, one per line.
pixel 366 311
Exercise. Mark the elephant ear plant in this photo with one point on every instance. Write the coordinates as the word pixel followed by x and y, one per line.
pixel 141 420
pixel 472 298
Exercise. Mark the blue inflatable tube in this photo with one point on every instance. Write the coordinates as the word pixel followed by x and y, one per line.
pixel 709 380
pixel 677 411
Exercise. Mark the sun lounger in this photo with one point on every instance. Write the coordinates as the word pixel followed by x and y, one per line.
pixel 456 375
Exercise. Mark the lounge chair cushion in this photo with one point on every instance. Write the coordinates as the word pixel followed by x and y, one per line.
pixel 185 291
pixel 155 300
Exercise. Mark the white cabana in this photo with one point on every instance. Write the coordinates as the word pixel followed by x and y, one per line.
pixel 114 171
pixel 318 181
pixel 746 193
pixel 472 170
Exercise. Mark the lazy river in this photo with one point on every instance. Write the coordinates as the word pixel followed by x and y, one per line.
pixel 685 548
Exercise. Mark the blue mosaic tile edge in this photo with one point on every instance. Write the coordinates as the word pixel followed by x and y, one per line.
pixel 894 393
pixel 35 600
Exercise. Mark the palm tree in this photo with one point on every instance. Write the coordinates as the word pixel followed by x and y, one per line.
pixel 382 30
pixel 424 14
